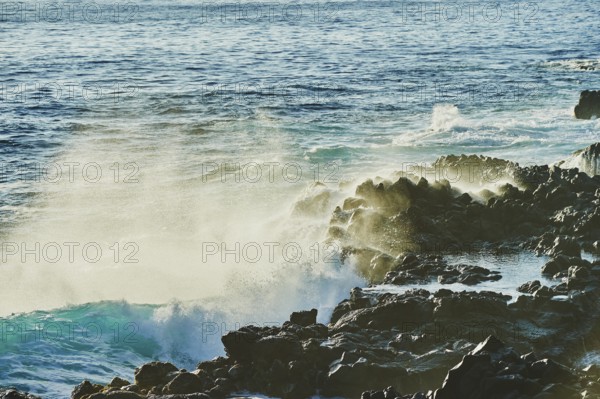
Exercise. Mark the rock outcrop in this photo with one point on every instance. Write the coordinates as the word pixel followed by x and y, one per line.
pixel 589 105
pixel 586 160
pixel 494 370
pixel 15 394
pixel 547 209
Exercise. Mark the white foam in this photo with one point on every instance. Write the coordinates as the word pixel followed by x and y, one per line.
pixel 574 64
pixel 445 117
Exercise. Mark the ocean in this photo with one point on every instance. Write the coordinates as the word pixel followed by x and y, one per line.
pixel 169 169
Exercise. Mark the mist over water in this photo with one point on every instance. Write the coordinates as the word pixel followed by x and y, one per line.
pixel 159 227
pixel 164 228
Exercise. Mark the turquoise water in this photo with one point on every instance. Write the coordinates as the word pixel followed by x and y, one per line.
pixel 210 125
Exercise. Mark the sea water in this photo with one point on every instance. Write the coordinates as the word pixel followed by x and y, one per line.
pixel 169 168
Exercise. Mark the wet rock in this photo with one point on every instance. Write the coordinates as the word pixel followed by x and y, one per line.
pixel 357 301
pixel 118 382
pixel 316 201
pixel 550 371
pixel 556 391
pixel 388 314
pixel 589 105
pixel 240 344
pixel 210 366
pixel 353 203
pixel 304 318
pixel 115 395
pixel 130 388
pixel 494 370
pixel 155 373
pixel 380 265
pixel 565 246
pixel 464 380
pixel 217 392
pixel 278 347
pixel 422 269
pixel 237 372
pixel 14 394
pixel 468 275
pixel 490 345
pixel 556 265
pixel 181 396
pixel 457 305
pixel 184 383
pixel 529 287
pixel 543 292
pixel 554 210
pixel 578 277
pixel 353 379
pixel 84 389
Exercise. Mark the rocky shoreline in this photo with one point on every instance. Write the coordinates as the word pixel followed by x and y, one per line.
pixel 419 344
